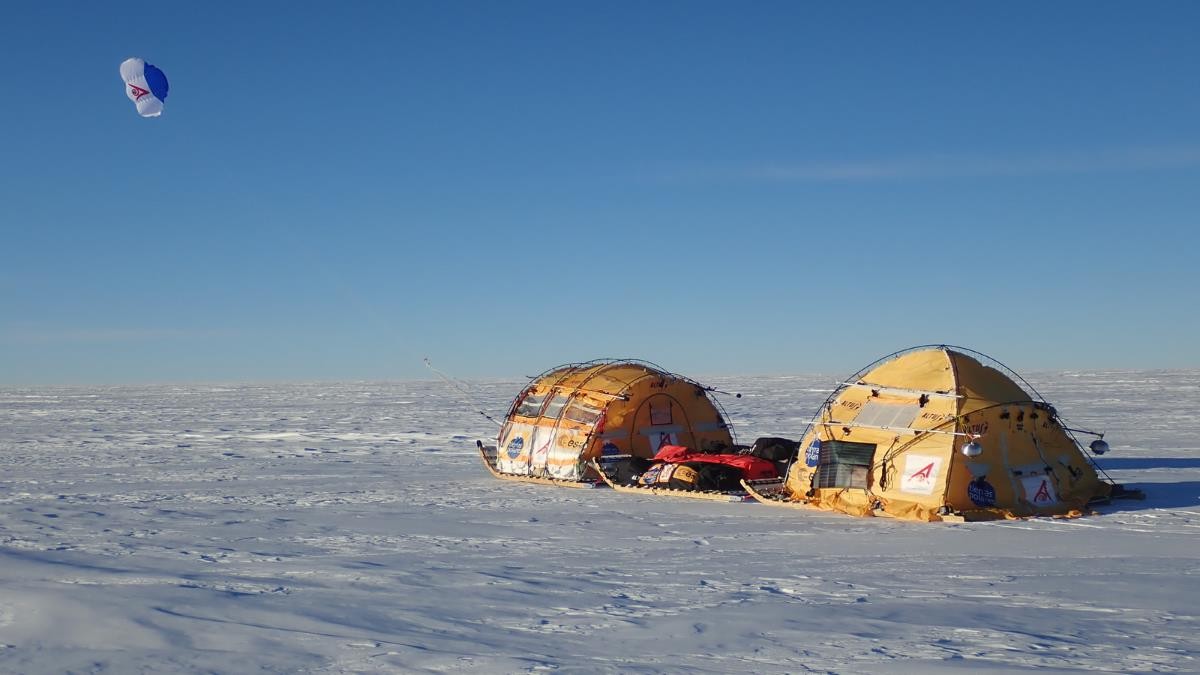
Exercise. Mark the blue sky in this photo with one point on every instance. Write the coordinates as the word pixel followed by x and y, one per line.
pixel 337 190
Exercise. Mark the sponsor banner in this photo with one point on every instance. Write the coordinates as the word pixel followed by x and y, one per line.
pixel 1039 490
pixel 920 474
pixel 565 460
pixel 513 453
pixel 981 492
pixel 812 456
pixel 543 440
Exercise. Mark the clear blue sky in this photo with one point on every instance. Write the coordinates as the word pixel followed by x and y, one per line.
pixel 338 189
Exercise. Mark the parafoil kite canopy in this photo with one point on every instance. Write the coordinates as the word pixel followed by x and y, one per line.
pixel 145 85
pixel 893 439
pixel 576 412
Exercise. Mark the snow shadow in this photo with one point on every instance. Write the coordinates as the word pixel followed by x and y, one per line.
pixel 1123 463
pixel 1158 496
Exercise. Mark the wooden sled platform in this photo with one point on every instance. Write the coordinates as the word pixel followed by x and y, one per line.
pixel 712 496
pixel 770 491
pixel 488 454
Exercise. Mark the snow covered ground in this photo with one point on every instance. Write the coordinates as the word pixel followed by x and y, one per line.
pixel 351 528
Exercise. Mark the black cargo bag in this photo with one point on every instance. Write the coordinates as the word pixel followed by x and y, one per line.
pixel 774 449
pixel 627 471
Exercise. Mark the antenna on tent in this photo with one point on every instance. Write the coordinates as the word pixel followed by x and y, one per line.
pixel 714 389
pixel 462 389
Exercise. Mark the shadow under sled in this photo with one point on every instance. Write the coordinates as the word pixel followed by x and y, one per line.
pixel 711 495
pixel 488 454
pixel 773 492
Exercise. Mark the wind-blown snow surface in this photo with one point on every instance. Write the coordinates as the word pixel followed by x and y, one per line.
pixel 351 528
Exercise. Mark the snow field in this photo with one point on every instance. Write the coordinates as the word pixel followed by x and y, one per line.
pixel 345 528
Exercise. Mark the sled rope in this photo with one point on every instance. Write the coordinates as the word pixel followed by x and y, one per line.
pixel 462 388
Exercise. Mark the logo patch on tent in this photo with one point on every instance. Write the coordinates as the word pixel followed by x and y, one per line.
pixel 1039 490
pixel 920 474
pixel 981 492
pixel 658 440
pixel 137 91
pixel 813 454
pixel 610 449
pixel 514 447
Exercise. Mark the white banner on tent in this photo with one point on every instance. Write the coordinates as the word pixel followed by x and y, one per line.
pixel 1039 490
pixel 920 474
pixel 512 454
pixel 564 461
pixel 543 440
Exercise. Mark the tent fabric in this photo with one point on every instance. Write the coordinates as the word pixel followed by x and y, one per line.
pixel 573 413
pixel 889 443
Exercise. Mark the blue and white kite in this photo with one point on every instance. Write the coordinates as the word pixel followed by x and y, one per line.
pixel 145 85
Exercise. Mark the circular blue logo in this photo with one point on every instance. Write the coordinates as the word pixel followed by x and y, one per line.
pixel 981 492
pixel 813 454
pixel 515 446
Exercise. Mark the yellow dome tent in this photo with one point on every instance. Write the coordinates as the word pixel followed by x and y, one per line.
pixel 932 433
pixel 574 413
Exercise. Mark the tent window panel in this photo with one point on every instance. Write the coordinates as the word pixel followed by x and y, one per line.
pixel 844 464
pixel 530 405
pixel 555 406
pixel 893 415
pixel 582 412
pixel 660 414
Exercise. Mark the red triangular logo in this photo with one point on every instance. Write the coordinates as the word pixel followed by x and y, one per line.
pixel 138 92
pixel 1043 493
pixel 924 473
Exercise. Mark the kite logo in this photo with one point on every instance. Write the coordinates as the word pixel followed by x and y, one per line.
pixel 1041 490
pixel 920 474
pixel 1043 493
pixel 663 439
pixel 923 473
pixel 137 91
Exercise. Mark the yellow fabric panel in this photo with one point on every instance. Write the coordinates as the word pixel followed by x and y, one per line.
pixel 909 510
pixel 914 469
pixel 800 475
pixel 982 385
pixel 928 369
pixel 995 485
pixel 604 378
pixel 1029 466
pixel 846 500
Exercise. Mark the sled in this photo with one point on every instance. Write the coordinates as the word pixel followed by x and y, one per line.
pixel 710 495
pixel 771 491
pixel 488 454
